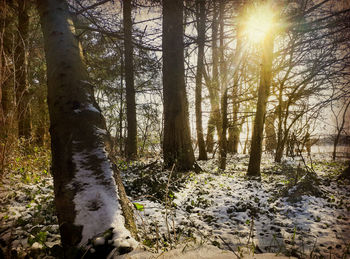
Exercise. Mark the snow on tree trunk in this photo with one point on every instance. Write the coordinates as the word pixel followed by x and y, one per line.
pixel 86 196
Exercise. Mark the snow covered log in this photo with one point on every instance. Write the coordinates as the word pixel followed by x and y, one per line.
pixel 86 194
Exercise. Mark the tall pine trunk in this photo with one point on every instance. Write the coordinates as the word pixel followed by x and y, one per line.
pixel 131 141
pixel 200 66
pixel 263 94
pixel 177 147
pixel 87 199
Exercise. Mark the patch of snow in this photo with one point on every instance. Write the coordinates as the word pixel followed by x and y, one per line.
pixel 36 245
pixel 97 201
pixel 90 107
pixel 99 241
pixel 227 205
pixel 100 131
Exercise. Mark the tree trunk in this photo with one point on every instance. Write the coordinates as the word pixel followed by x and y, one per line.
pixel 177 147
pixel 210 132
pixel 280 149
pixel 280 145
pixel 8 129
pixel 200 66
pixel 263 93
pixel 246 142
pixel 121 107
pixel 213 85
pixel 340 129
pixel 131 142
pixel 223 72
pixel 270 133
pixel 87 199
pixel 21 72
pixel 235 128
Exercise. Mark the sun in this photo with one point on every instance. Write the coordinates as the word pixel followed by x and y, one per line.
pixel 258 22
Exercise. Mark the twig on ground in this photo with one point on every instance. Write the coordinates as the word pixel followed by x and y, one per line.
pixel 229 247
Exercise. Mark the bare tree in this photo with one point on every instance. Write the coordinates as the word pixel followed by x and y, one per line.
pixel 263 94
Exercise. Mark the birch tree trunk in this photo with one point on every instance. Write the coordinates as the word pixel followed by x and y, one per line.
pixel 87 199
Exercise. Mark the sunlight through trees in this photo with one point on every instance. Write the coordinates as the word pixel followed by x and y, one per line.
pixel 115 115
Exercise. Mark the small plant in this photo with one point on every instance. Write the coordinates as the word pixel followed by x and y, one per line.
pixel 139 206
pixel 40 237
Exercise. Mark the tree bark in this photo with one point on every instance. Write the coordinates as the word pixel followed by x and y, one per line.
pixel 213 85
pixel 235 128
pixel 200 66
pixel 177 147
pixel 280 134
pixel 210 131
pixel 263 94
pixel 340 129
pixel 270 133
pixel 87 199
pixel 131 142
pixel 246 142
pixel 21 72
pixel 223 77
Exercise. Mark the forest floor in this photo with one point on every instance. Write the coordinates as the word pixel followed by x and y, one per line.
pixel 295 209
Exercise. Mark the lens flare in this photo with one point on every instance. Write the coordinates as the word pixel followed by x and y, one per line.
pixel 258 23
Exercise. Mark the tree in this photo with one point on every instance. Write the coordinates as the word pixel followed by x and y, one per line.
pixel 131 142
pixel 270 133
pixel 263 94
pixel 177 148
pixel 235 125
pixel 8 120
pixel 213 84
pixel 340 119
pixel 224 89
pixel 201 17
pixel 86 196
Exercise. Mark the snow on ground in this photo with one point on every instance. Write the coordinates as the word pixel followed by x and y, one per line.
pixel 223 209
pixel 27 214
pixel 232 212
